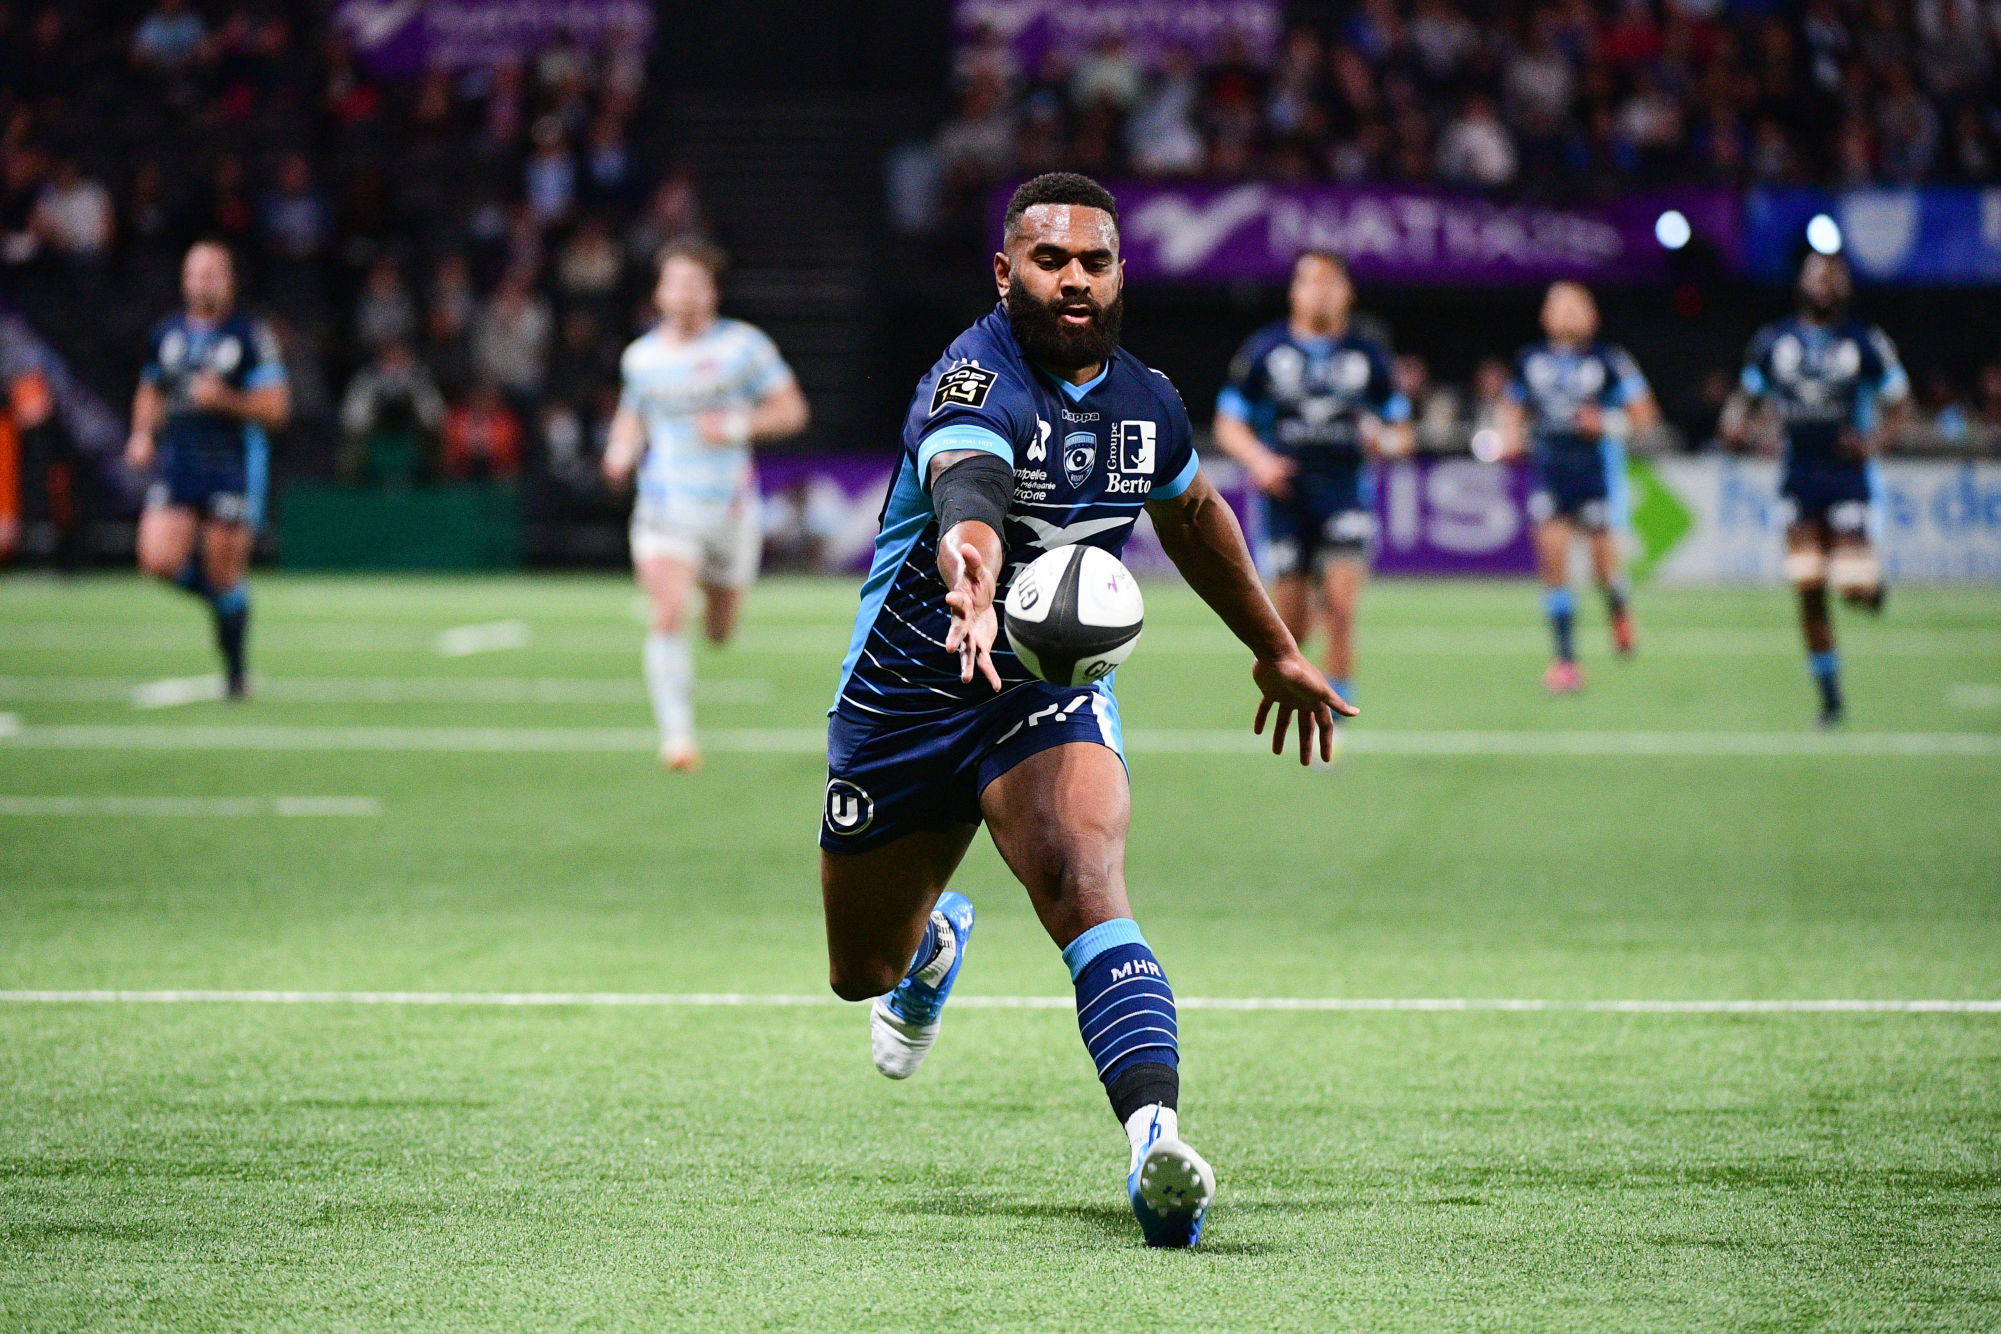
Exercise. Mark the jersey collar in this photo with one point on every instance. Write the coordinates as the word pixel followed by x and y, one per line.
pixel 1076 392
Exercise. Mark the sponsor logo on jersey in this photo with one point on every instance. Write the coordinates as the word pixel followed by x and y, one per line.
pixel 963 386
pixel 1135 440
pixel 1038 448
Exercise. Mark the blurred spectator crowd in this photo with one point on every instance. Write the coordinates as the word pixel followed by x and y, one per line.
pixel 452 263
pixel 1544 98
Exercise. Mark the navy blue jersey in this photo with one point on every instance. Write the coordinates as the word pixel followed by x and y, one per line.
pixel 1822 378
pixel 1306 397
pixel 1553 384
pixel 1085 460
pixel 242 352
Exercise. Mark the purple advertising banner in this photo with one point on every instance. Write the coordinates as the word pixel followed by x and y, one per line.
pixel 1227 233
pixel 1434 516
pixel 1453 516
pixel 405 37
pixel 1031 29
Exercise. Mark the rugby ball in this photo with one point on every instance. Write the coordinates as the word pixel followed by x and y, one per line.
pixel 1073 615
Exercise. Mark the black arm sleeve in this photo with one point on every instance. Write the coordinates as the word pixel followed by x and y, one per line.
pixel 974 488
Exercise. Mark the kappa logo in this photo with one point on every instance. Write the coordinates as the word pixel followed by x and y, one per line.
pixel 964 386
pixel 1134 967
pixel 849 809
pixel 1080 455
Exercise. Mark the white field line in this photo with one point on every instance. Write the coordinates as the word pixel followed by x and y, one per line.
pixel 643 1000
pixel 829 638
pixel 1141 742
pixel 372 690
pixel 494 636
pixel 195 806
pixel 1971 696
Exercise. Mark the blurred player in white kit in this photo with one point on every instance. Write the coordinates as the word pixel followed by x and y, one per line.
pixel 699 392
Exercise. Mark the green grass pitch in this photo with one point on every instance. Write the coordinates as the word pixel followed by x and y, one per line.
pixel 340 1166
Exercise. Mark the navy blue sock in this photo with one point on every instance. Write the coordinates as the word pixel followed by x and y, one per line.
pixel 232 627
pixel 1125 1012
pixel 1826 669
pixel 1561 607
pixel 194 580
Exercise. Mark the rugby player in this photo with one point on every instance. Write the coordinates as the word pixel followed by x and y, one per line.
pixel 212 385
pixel 1308 404
pixel 1571 399
pixel 1033 431
pixel 699 392
pixel 1825 373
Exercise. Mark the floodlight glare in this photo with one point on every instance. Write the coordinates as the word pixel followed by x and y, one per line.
pixel 1671 229
pixel 1824 234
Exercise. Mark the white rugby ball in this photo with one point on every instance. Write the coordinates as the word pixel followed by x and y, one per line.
pixel 1073 615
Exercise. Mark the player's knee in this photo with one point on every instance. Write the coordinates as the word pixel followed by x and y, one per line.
pixel 860 981
pixel 1854 570
pixel 1805 568
pixel 158 562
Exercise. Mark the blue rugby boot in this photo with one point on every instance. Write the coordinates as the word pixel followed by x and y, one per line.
pixel 904 1024
pixel 1170 1185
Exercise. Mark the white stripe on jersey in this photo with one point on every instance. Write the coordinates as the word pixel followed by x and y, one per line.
pixel 668 383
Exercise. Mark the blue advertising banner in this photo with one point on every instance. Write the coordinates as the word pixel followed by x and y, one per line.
pixel 1937 236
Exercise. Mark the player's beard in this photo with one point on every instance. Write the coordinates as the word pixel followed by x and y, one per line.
pixel 1049 342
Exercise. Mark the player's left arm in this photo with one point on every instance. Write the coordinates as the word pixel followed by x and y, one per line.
pixel 266 396
pixel 778 406
pixel 1200 534
pixel 1393 436
pixel 1890 394
pixel 1632 395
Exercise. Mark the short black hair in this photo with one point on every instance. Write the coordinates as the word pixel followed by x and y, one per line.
pixel 1326 253
pixel 1057 187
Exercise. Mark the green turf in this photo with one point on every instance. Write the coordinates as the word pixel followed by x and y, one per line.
pixel 233 1166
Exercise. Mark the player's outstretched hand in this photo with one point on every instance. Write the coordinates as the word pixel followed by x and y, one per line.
pixel 974 623
pixel 139 451
pixel 1294 685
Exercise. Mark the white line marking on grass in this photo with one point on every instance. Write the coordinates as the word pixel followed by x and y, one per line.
pixel 379 690
pixel 1142 742
pixel 10 725
pixel 196 806
pixel 494 636
pixel 645 1000
pixel 1971 696
pixel 175 691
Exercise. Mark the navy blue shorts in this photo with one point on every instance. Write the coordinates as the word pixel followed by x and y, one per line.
pixel 1329 514
pixel 1836 492
pixel 1573 484
pixel 887 777
pixel 231 491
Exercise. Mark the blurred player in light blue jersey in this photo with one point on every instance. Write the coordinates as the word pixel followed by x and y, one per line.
pixel 213 384
pixel 1825 373
pixel 1570 401
pixel 699 391
pixel 1309 403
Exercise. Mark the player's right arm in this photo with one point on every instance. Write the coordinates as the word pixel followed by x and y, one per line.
pixel 972 508
pixel 1270 471
pixel 147 409
pixel 624 443
pixel 1734 425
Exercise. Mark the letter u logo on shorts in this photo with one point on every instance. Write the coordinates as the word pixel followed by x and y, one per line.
pixel 849 809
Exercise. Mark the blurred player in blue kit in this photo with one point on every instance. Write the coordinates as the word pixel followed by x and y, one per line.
pixel 1571 400
pixel 1825 374
pixel 213 384
pixel 1310 402
pixel 1033 431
